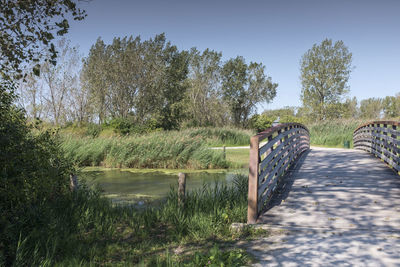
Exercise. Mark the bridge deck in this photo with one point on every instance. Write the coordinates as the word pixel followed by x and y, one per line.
pixel 336 207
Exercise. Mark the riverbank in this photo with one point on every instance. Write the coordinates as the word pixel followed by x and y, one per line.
pixel 186 149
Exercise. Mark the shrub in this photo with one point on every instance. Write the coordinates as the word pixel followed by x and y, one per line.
pixel 261 122
pixel 125 126
pixel 34 175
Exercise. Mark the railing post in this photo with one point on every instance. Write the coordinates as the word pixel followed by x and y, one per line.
pixel 252 206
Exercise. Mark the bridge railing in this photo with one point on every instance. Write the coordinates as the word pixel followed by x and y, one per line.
pixel 271 153
pixel 380 138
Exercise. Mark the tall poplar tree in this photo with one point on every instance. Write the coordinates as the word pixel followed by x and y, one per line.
pixel 325 70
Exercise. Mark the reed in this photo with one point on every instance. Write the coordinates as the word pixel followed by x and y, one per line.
pixel 333 133
pixel 168 150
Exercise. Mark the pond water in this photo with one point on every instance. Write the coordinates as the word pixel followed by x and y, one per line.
pixel 141 185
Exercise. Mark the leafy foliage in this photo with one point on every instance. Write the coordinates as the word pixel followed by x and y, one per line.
pixel 243 86
pixel 261 122
pixel 205 105
pixel 325 71
pixel 26 26
pixel 142 80
pixel 33 174
pixel 371 108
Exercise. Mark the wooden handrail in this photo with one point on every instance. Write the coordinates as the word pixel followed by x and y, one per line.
pixel 268 162
pixel 380 139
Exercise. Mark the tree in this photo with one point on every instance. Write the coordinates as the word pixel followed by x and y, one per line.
pixel 32 97
pixel 391 106
pixel 174 89
pixel 350 109
pixel 371 108
pixel 60 80
pixel 94 77
pixel 244 86
pixel 204 98
pixel 138 81
pixel 325 70
pixel 28 26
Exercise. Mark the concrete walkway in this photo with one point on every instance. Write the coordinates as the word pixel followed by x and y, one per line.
pixel 338 207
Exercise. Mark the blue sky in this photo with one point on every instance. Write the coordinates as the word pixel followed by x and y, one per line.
pixel 275 33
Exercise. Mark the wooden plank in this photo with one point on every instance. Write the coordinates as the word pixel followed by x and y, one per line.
pixel 271 162
pixel 274 153
pixel 272 174
pixel 273 185
pixel 263 186
pixel 268 145
pixel 272 130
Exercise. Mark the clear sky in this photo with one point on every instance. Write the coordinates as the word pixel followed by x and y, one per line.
pixel 275 33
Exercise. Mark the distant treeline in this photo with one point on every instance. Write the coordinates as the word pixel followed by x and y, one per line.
pixel 350 110
pixel 148 84
pixel 136 86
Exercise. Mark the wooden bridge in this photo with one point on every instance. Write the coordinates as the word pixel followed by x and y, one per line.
pixel 326 206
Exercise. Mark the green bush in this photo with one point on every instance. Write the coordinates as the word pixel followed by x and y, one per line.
pixel 261 122
pixel 119 125
pixel 125 126
pixel 34 175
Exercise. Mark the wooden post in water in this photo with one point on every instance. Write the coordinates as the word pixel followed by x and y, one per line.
pixel 181 187
pixel 73 182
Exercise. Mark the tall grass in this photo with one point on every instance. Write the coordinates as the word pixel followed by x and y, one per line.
pixel 333 133
pixel 156 150
pixel 221 136
pixel 90 231
pixel 213 136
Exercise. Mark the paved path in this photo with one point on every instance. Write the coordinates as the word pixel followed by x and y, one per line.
pixel 338 207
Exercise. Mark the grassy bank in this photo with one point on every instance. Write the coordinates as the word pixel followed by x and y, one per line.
pixel 213 136
pixel 98 233
pixel 333 133
pixel 171 150
pixel 186 149
pixel 225 136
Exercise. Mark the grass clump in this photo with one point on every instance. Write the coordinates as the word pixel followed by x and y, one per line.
pixel 172 150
